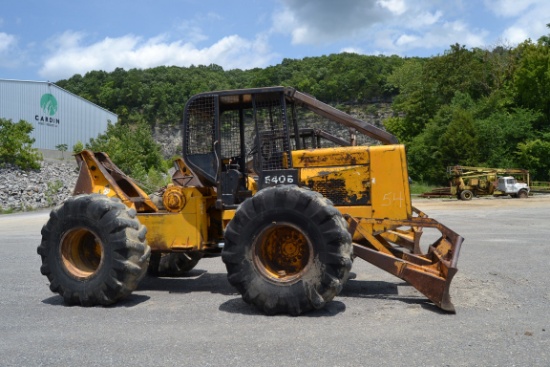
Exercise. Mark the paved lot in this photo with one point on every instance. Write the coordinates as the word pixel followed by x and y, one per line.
pixel 501 293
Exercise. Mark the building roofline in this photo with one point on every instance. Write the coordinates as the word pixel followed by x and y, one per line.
pixel 58 87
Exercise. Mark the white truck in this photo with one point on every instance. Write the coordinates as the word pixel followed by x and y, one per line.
pixel 508 185
pixel 468 182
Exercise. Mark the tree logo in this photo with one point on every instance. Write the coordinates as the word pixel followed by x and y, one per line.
pixel 48 103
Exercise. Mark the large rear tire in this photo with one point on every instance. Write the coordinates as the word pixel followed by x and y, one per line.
pixel 93 250
pixel 287 250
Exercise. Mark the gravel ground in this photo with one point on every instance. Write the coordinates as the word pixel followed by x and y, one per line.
pixel 501 294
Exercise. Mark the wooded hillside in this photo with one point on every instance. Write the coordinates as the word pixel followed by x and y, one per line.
pixel 471 107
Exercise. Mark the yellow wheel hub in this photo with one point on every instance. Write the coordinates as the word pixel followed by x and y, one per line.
pixel 81 253
pixel 282 252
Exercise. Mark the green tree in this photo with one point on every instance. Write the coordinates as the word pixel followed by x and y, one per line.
pixel 415 102
pixel 132 148
pixel 448 139
pixel 78 147
pixel 531 81
pixel 62 148
pixel 424 155
pixel 458 143
pixel 159 94
pixel 499 134
pixel 458 70
pixel 467 106
pixel 545 40
pixel 533 155
pixel 16 145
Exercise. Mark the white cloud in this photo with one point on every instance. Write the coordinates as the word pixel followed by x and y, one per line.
pixel 424 19
pixel 406 39
pixel 442 36
pixel 353 50
pixel 397 7
pixel 69 54
pixel 515 35
pixel 193 32
pixel 388 26
pixel 527 18
pixel 437 37
pixel 6 41
pixel 10 56
pixel 326 21
pixel 510 8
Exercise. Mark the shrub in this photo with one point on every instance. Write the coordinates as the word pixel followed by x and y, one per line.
pixel 16 145
pixel 132 148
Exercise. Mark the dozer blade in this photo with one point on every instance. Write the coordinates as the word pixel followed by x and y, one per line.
pixel 397 251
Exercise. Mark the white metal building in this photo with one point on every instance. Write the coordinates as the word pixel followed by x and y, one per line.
pixel 58 116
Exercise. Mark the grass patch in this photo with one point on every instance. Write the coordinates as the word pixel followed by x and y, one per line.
pixel 7 211
pixel 418 188
pixel 51 191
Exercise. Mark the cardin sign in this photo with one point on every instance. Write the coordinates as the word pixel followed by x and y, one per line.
pixel 48 105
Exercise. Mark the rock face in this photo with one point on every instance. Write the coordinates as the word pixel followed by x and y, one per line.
pixel 170 140
pixel 31 190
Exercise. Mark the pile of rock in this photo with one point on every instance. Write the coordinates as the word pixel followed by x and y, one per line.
pixel 170 140
pixel 31 190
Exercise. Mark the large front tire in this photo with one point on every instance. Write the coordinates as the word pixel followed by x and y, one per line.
pixel 93 250
pixel 287 250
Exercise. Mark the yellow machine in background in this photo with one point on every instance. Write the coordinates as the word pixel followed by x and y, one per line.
pixel 467 182
pixel 288 207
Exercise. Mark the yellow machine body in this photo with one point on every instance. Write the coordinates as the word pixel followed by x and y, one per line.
pixel 182 226
pixel 368 184
pixel 186 229
pixel 373 180
pixel 357 179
